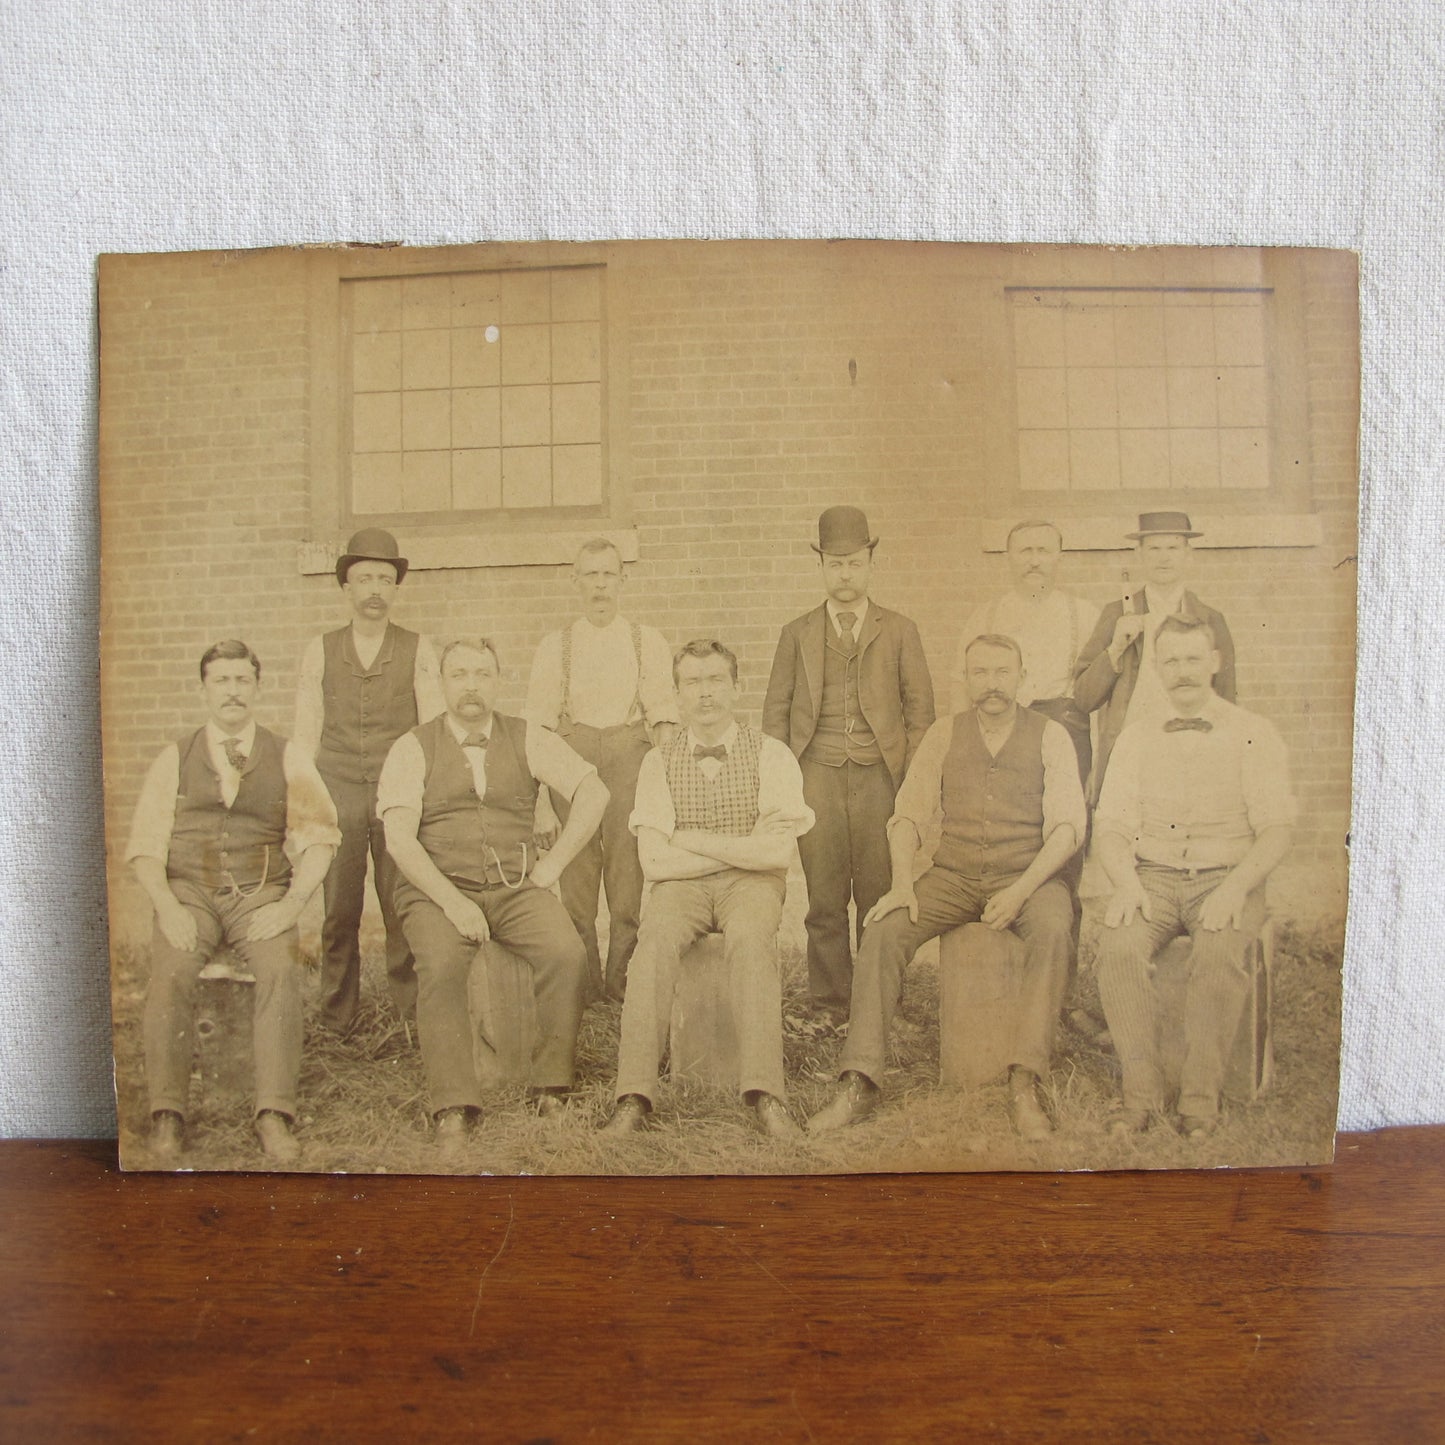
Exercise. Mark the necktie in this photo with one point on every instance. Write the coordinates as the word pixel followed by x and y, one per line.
pixel 1188 724
pixel 234 755
pixel 475 740
pixel 846 621
pixel 719 752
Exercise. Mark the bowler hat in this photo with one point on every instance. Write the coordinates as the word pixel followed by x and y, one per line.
pixel 842 530
pixel 1163 524
pixel 371 544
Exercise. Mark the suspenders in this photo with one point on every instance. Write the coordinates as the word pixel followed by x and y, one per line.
pixel 635 709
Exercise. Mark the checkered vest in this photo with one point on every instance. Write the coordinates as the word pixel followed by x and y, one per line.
pixel 729 803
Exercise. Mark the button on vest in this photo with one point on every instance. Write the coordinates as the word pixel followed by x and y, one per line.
pixel 366 708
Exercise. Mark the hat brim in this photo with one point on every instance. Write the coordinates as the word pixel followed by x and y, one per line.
pixel 1161 532
pixel 343 564
pixel 843 551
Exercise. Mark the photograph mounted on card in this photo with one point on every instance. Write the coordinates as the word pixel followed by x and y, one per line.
pixel 727 708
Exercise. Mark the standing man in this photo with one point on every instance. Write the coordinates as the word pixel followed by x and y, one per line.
pixel 850 694
pixel 1115 671
pixel 1049 626
pixel 1197 812
pixel 458 797
pixel 361 687
pixel 717 811
pixel 605 685
pixel 218 815
pixel 1007 781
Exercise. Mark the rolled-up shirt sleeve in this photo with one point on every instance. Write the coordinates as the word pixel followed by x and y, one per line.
pixel 403 777
pixel 920 799
pixel 1118 811
pixel 1264 775
pixel 780 789
pixel 307 725
pixel 310 812
pixel 555 762
pixel 427 682
pixel 1063 793
pixel 659 698
pixel 155 809
pixel 652 803
pixel 544 683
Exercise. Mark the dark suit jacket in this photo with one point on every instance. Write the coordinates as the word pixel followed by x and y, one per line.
pixel 895 691
pixel 1097 685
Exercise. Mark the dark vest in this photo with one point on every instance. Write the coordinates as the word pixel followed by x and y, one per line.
pixel 366 709
pixel 236 847
pixel 728 805
pixel 478 842
pixel 842 733
pixel 993 807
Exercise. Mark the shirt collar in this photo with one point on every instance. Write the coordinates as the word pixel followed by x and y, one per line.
pixel 459 732
pixel 860 612
pixel 1161 601
pixel 726 740
pixel 1215 709
pixel 245 739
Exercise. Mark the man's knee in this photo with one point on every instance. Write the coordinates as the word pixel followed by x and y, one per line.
pixel 1124 950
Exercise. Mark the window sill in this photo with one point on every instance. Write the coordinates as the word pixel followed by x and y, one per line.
pixel 1110 533
pixel 476 549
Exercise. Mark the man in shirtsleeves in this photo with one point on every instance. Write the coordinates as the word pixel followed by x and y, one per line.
pixel 1115 673
pixel 604 684
pixel 217 817
pixel 851 695
pixel 458 797
pixel 361 687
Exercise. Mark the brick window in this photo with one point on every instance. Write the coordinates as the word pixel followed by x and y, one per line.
pixel 472 394
pixel 1131 389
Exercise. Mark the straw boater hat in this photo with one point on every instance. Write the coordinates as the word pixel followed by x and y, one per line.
pixel 1163 524
pixel 842 530
pixel 371 544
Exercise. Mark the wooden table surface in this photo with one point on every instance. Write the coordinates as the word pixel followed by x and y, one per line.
pixel 1263 1306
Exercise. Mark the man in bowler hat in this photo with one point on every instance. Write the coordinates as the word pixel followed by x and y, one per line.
pixel 361 687
pixel 850 694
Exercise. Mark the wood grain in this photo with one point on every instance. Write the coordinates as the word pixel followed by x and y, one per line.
pixel 1264 1306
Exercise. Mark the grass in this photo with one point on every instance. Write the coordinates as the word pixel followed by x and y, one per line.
pixel 363 1106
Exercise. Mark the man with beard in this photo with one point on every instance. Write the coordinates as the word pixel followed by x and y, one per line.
pixel 1115 672
pixel 1049 626
pixel 457 798
pixel 361 687
pixel 604 684
pixel 219 817
pixel 851 695
pixel 1196 814
pixel 1006 779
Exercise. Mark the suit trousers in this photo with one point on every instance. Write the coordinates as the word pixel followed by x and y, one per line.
pixel 946 900
pixel 222 918
pixel 1219 983
pixel 532 924
pixel 845 854
pixel 747 907
pixel 343 894
pixel 609 855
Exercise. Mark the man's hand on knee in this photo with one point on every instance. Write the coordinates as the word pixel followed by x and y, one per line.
pixel 1128 899
pixel 1004 907
pixel 178 925
pixel 891 902
pixel 271 920
pixel 468 920
pixel 1224 908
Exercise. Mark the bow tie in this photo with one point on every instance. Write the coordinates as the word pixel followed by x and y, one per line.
pixel 1188 724
pixel 719 752
pixel 475 740
pixel 234 755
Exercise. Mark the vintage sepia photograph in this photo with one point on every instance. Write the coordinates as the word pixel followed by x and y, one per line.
pixel 665 708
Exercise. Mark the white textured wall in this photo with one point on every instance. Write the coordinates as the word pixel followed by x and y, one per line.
pixel 167 125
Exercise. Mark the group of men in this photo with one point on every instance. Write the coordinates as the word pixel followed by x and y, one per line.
pixel 399 753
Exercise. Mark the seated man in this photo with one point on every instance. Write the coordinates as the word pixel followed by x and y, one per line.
pixel 1007 781
pixel 1196 814
pixel 718 809
pixel 219 812
pixel 457 797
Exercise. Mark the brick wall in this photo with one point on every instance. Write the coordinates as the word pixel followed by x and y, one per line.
pixel 743 419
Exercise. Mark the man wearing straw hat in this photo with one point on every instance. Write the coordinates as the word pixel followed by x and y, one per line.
pixel 850 694
pixel 1115 674
pixel 361 687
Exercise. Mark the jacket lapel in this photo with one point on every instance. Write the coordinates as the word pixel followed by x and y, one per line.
pixel 872 626
pixel 814 640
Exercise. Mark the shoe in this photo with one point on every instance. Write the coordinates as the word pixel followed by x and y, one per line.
pixel 775 1121
pixel 451 1133
pixel 1125 1122
pixel 857 1097
pixel 1197 1126
pixel 548 1103
pixel 1030 1121
pixel 629 1116
pixel 273 1129
pixel 168 1136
